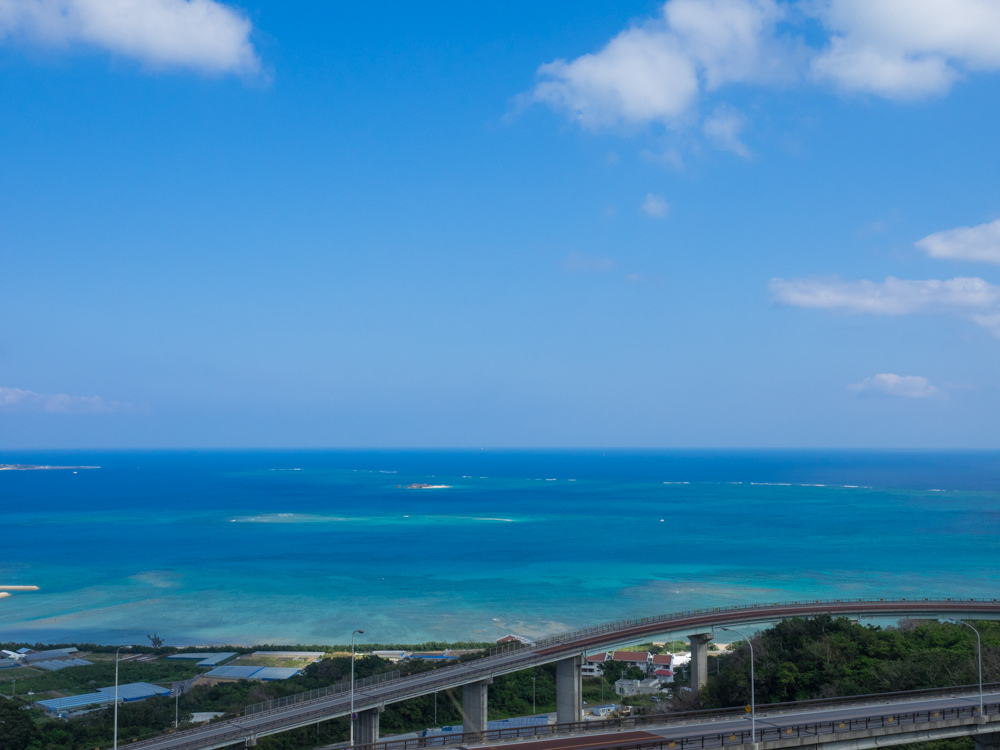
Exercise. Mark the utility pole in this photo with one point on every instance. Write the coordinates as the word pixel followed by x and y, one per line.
pixel 753 700
pixel 979 658
pixel 116 700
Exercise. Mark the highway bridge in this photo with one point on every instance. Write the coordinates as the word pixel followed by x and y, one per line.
pixel 865 721
pixel 567 651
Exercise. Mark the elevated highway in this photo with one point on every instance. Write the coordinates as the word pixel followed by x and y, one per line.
pixel 854 726
pixel 565 650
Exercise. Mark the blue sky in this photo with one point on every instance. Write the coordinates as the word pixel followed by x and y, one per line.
pixel 705 223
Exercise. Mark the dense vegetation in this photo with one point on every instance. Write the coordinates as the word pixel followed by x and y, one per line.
pixel 824 656
pixel 827 657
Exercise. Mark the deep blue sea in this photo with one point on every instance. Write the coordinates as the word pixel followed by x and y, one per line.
pixel 303 547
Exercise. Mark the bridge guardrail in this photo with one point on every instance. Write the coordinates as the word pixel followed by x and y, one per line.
pixel 656 719
pixel 608 627
pixel 506 648
pixel 808 729
pixel 339 689
pixel 693 742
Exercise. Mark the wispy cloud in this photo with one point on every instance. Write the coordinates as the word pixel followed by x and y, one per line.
pixel 969 296
pixel 202 35
pixel 900 386
pixel 583 263
pixel 723 129
pixel 655 206
pixel 981 243
pixel 671 157
pixel 16 399
pixel 891 297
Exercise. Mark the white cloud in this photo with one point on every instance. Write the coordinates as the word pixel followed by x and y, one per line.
pixel 907 48
pixel 655 206
pixel 891 297
pixel 204 35
pixel 723 130
pixel 654 72
pixel 980 243
pixel 901 386
pixel 970 296
pixel 658 69
pixel 16 399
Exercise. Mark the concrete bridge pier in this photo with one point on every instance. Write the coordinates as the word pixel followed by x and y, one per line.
pixel 474 706
pixel 366 729
pixel 699 660
pixel 987 741
pixel 569 690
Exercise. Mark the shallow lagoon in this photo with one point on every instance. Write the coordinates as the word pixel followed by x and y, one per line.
pixel 303 547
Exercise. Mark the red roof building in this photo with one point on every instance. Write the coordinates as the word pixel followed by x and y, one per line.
pixel 632 657
pixel 514 639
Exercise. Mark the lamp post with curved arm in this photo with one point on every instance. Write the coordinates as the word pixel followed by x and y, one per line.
pixel 356 632
pixel 979 658
pixel 753 702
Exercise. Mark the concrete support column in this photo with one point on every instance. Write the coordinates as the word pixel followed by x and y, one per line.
pixel 699 659
pixel 987 741
pixel 474 706
pixel 366 729
pixel 569 690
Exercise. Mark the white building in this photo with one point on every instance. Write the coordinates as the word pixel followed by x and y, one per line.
pixel 650 686
pixel 593 666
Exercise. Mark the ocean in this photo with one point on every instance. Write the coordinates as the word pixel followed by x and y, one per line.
pixel 302 547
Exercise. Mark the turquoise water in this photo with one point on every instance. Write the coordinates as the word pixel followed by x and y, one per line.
pixel 303 547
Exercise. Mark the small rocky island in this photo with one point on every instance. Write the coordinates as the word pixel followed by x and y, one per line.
pixel 36 467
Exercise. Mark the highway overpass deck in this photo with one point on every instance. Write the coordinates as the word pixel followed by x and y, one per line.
pixel 857 727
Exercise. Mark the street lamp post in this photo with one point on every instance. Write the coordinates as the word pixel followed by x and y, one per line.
pixel 532 693
pixel 356 632
pixel 5 591
pixel 116 698
pixel 979 658
pixel 753 702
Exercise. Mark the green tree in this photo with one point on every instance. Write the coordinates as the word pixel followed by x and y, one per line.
pixel 824 657
pixel 17 730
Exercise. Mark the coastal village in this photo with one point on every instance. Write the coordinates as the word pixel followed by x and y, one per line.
pixel 651 674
